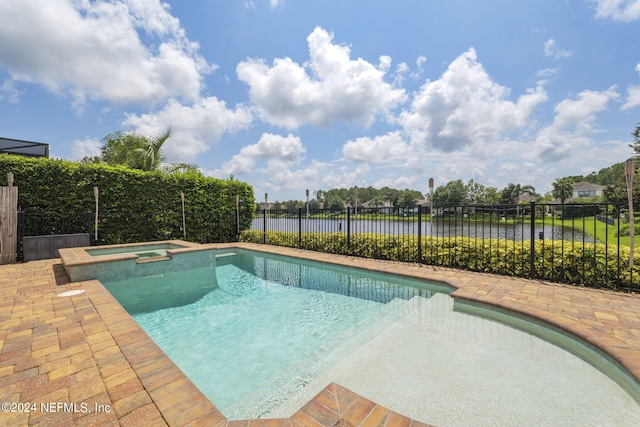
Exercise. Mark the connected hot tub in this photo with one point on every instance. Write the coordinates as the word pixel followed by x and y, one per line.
pixel 118 262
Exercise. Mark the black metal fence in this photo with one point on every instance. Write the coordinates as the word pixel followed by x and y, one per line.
pixel 131 227
pixel 574 243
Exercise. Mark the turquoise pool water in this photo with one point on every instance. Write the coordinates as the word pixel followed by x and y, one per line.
pixel 261 335
pixel 245 339
pixel 257 329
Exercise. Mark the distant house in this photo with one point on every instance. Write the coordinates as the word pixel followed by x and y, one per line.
pixel 386 207
pixel 583 190
pixel 587 189
pixel 385 204
pixel 526 198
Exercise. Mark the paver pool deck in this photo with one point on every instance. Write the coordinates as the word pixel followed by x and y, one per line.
pixel 82 360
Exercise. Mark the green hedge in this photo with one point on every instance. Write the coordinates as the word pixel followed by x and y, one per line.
pixel 594 265
pixel 134 205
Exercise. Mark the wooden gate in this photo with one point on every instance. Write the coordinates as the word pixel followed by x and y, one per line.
pixel 8 222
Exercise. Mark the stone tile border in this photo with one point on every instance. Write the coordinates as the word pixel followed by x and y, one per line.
pixel 87 349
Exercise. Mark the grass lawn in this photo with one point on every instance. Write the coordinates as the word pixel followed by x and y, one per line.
pixel 602 231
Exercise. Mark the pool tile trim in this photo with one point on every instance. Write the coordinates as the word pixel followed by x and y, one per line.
pixel 60 348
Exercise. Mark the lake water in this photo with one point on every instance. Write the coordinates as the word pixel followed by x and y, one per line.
pixel 441 228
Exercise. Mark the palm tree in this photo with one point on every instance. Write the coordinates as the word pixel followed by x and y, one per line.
pixel 510 194
pixel 320 195
pixel 150 154
pixel 134 149
pixel 563 190
pixel 376 202
pixel 183 168
pixel 392 198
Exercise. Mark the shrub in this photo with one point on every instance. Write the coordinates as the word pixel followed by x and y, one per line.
pixel 134 205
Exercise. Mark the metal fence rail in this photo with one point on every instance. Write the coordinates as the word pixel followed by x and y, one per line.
pixel 574 243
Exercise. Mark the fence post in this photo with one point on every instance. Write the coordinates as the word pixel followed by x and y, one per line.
pixel 349 228
pixel 87 220
pixel 299 227
pixel 264 226
pixel 532 265
pixel 21 231
pixel 419 234
pixel 8 222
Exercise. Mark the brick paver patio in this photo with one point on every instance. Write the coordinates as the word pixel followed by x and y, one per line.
pixel 82 360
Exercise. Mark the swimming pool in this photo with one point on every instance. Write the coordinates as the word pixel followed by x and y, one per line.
pixel 292 326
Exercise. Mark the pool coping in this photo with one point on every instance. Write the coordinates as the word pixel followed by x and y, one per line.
pixel 143 385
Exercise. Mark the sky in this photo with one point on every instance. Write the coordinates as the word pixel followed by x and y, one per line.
pixel 290 95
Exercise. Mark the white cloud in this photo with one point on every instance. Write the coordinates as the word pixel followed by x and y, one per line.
pixel 274 164
pixel 617 10
pixel 346 176
pixel 85 148
pixel 573 124
pixel 275 3
pixel 93 50
pixel 402 181
pixel 384 148
pixel 281 176
pixel 464 106
pixel 551 50
pixel 330 87
pixel 9 92
pixel 547 72
pixel 633 94
pixel 278 151
pixel 193 127
pixel 633 97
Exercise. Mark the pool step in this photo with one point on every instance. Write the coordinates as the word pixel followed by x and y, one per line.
pixel 298 377
pixel 351 341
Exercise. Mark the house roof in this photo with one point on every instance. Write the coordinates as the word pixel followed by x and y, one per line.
pixel 524 197
pixel 582 186
pixel 367 204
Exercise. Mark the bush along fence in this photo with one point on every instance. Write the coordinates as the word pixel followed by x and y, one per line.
pixel 62 197
pixel 585 244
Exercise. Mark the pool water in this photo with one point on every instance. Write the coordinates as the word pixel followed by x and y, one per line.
pixel 254 342
pixel 261 335
pixel 247 333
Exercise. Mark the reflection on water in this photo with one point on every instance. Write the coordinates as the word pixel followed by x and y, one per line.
pixel 441 228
